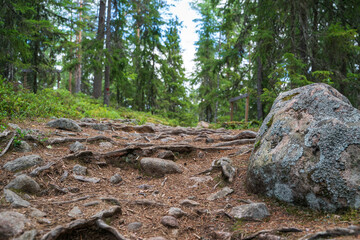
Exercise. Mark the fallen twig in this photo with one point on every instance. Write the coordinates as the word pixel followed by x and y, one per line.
pixel 163 182
pixel 8 145
pixel 282 230
pixel 235 142
pixel 74 200
pixel 336 232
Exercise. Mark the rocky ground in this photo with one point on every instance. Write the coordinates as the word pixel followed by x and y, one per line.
pixel 115 180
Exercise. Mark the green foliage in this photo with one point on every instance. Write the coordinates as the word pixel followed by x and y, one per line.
pixel 323 76
pixel 251 124
pixel 47 103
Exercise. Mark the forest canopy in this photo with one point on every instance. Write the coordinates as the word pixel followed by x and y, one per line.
pixel 128 53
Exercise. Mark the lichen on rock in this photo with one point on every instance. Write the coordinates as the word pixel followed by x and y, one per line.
pixel 308 150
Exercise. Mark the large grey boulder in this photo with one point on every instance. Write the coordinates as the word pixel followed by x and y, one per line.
pixel 159 167
pixel 25 184
pixel 308 150
pixel 11 224
pixel 23 163
pixel 64 123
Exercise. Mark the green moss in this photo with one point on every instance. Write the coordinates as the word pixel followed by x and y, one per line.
pixel 270 122
pixel 239 224
pixel 289 97
pixel 257 144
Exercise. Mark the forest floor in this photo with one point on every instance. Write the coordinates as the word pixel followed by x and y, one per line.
pixel 208 220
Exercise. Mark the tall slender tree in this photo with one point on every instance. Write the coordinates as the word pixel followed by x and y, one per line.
pixel 108 58
pixel 97 86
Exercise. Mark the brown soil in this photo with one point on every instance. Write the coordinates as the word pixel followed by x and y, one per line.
pixel 200 223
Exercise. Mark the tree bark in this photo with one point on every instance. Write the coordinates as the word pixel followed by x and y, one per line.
pixel 108 62
pixel 259 89
pixel 97 86
pixel 79 55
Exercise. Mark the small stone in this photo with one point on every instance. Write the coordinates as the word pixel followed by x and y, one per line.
pixel 23 163
pixel 24 183
pixel 44 220
pixel 201 154
pixel 159 167
pixel 36 213
pixel 76 147
pixel 79 170
pixel 87 179
pixel 134 226
pixel 23 147
pixel 169 221
pixel 11 224
pixel 75 212
pixel 220 194
pixel 189 203
pixel 116 178
pixel 250 212
pixel 169 155
pixel 176 212
pixel 106 145
pixel 15 200
pixel 64 123
pixel 28 235
pixel 145 186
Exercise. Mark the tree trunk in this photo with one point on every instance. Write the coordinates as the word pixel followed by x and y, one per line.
pixel 108 62
pixel 97 86
pixel 35 70
pixel 259 89
pixel 218 82
pixel 79 55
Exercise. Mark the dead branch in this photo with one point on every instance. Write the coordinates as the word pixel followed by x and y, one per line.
pixel 8 145
pixel 235 142
pixel 282 230
pixel 74 200
pixel 245 134
pixel 336 232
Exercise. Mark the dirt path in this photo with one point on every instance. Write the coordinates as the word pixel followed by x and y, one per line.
pixel 146 199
